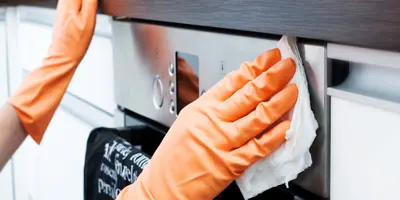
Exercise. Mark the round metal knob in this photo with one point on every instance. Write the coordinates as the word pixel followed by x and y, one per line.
pixel 172 107
pixel 158 92
pixel 171 69
pixel 171 87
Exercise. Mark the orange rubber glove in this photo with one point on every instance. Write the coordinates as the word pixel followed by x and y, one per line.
pixel 39 95
pixel 217 137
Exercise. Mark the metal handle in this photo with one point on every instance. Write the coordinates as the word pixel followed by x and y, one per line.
pixel 363 55
pixel 373 76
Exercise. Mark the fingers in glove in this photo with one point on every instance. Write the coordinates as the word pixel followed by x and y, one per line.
pixel 258 148
pixel 69 5
pixel 258 90
pixel 265 114
pixel 86 7
pixel 89 8
pixel 247 72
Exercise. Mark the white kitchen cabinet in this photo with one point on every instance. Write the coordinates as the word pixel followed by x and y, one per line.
pixel 31 51
pixel 3 63
pixel 365 118
pixel 24 159
pixel 25 171
pixel 6 186
pixel 61 158
pixel 53 170
pixel 364 151
pixel 93 80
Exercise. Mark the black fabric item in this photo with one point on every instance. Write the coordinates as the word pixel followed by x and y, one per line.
pixel 112 162
pixel 109 165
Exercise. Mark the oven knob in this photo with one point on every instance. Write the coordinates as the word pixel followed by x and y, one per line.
pixel 171 87
pixel 158 92
pixel 172 107
pixel 171 69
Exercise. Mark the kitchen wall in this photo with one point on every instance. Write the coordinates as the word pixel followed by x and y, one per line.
pixel 55 169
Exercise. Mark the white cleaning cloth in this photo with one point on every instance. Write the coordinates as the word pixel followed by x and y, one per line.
pixel 293 157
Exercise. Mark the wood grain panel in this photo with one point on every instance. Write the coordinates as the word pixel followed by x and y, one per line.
pixel 368 23
pixel 39 3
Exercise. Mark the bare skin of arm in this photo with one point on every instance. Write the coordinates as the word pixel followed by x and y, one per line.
pixel 12 134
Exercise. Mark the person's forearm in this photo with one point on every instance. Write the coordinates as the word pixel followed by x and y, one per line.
pixel 12 133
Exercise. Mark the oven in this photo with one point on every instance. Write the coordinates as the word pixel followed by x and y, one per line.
pixel 150 78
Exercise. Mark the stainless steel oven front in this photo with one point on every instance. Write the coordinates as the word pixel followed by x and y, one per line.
pixel 159 69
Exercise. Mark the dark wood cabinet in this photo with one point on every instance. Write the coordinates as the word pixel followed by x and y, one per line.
pixel 39 3
pixel 367 23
